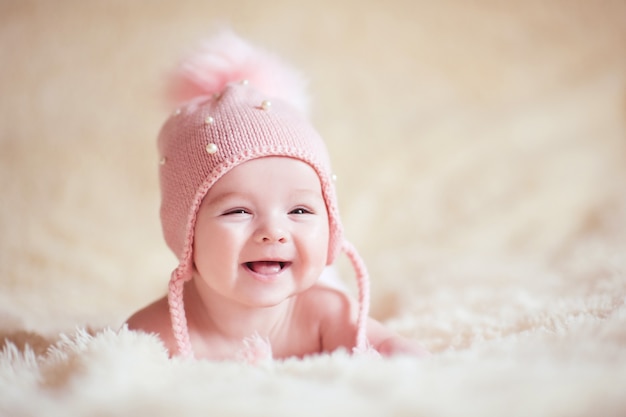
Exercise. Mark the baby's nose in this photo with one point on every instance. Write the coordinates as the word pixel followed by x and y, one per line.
pixel 271 231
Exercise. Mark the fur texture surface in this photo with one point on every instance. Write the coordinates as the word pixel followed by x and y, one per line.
pixel 480 150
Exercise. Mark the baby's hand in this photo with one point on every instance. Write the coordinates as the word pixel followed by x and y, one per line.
pixel 396 345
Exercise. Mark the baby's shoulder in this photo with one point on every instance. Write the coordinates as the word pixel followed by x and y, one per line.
pixel 326 302
pixel 333 312
pixel 154 319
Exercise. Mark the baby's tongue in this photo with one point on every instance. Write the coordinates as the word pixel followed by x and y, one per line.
pixel 265 267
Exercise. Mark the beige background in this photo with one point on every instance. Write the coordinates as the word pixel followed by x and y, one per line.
pixel 479 145
pixel 480 148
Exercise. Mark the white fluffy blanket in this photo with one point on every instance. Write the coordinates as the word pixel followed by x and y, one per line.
pixel 481 155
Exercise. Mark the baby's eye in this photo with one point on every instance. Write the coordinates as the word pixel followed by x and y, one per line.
pixel 236 211
pixel 300 210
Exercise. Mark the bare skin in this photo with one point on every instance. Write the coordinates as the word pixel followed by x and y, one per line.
pixel 258 254
pixel 304 328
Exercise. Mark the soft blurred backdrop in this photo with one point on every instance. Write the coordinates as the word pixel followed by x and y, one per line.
pixel 478 145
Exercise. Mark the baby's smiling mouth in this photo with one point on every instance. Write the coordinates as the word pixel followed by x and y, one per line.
pixel 267 267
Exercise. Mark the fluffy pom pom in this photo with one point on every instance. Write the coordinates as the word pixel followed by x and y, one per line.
pixel 227 58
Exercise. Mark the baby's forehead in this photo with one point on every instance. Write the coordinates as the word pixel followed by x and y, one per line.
pixel 266 174
pixel 275 160
pixel 281 167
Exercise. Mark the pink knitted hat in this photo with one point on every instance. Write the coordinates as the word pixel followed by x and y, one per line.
pixel 238 104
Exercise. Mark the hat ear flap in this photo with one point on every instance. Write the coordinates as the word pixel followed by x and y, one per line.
pixel 177 314
pixel 362 277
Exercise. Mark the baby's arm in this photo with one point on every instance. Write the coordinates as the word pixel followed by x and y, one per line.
pixel 338 328
pixel 389 343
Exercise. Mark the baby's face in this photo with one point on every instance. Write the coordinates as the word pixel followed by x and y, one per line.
pixel 262 232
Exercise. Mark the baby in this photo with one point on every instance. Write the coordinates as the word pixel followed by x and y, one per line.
pixel 249 208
